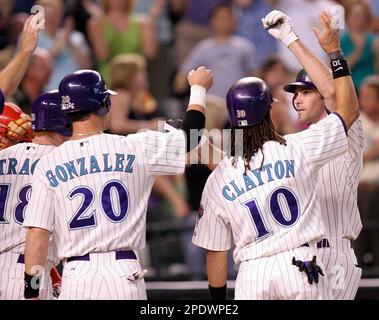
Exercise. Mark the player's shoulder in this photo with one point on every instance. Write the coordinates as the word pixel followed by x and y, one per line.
pixel 25 149
pixel 226 167
pixel 331 121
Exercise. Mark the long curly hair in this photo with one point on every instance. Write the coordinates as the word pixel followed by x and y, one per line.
pixel 253 139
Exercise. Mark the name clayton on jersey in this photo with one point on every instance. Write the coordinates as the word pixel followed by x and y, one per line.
pixel 257 177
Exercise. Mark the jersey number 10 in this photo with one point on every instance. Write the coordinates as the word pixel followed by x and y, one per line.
pixel 276 210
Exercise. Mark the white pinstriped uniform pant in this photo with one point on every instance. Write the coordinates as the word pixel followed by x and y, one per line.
pixel 275 278
pixel 12 278
pixel 102 278
pixel 341 267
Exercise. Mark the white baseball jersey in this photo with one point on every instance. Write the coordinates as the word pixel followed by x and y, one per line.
pixel 275 209
pixel 92 193
pixel 338 186
pixel 17 165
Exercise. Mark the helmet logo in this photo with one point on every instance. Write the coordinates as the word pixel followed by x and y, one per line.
pixel 241 113
pixel 66 103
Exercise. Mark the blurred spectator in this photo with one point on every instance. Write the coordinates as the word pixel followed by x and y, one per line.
pixel 275 73
pixel 374 4
pixel 82 11
pixel 5 18
pixel 369 102
pixel 67 47
pixel 134 108
pixel 36 77
pixel 118 31
pixel 249 15
pixel 360 46
pixel 194 25
pixel 10 29
pixel 160 68
pixel 304 14
pixel 368 193
pixel 229 57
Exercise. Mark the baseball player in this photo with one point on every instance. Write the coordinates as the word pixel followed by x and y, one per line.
pixel 314 98
pixel 12 74
pixel 17 166
pixel 92 192
pixel 265 197
pixel 15 126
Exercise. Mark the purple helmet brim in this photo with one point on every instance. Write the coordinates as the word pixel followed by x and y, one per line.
pixel 291 87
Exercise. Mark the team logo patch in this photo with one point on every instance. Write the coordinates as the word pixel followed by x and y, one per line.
pixel 66 103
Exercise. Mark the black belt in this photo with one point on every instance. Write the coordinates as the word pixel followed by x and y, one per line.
pixel 324 243
pixel 120 255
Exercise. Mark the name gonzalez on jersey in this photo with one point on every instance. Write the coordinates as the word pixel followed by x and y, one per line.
pixel 90 165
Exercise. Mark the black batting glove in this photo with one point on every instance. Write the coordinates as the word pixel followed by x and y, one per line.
pixel 311 269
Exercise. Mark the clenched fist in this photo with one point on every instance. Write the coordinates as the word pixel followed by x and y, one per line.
pixel 201 76
pixel 279 25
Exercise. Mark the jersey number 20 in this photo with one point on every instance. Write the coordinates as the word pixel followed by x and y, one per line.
pixel 115 211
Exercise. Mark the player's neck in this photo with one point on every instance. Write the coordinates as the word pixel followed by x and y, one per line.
pixel 84 129
pixel 49 140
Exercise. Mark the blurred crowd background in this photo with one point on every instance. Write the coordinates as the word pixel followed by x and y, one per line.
pixel 145 48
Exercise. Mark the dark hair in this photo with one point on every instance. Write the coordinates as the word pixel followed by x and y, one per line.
pixel 271 62
pixel 214 10
pixel 79 115
pixel 253 139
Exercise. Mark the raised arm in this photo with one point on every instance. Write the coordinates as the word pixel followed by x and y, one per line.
pixel 279 26
pixel 200 81
pixel 346 99
pixel 12 74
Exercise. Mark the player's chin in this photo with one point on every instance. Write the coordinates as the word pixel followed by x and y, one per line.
pixel 303 116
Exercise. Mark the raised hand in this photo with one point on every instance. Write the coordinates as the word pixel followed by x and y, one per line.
pixel 30 33
pixel 279 25
pixel 329 38
pixel 201 76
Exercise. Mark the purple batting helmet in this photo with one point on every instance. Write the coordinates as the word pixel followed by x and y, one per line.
pixel 85 90
pixel 47 115
pixel 302 81
pixel 248 101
